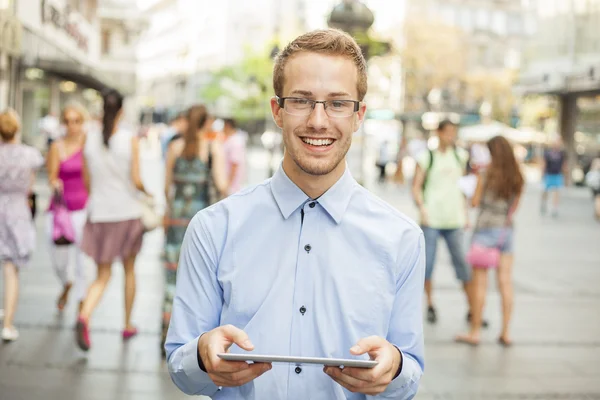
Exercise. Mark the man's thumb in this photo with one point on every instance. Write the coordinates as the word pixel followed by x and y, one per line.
pixel 238 337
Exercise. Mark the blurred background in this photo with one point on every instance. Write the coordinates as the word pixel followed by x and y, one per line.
pixel 525 69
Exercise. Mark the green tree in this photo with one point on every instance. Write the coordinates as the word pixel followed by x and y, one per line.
pixel 246 86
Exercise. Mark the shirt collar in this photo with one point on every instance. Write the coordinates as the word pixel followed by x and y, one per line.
pixel 289 196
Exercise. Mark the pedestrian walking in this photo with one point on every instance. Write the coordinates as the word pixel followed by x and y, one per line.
pixel 497 195
pixel 308 263
pixel 555 168
pixel 18 164
pixel 69 182
pixel 383 159
pixel 114 230
pixel 234 148
pixel 442 208
pixel 192 163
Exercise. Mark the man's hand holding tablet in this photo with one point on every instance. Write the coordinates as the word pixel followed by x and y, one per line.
pixel 368 377
pixel 222 372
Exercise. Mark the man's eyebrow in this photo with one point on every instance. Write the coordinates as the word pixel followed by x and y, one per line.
pixel 306 93
pixel 339 94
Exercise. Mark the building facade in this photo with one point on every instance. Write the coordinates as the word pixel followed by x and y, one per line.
pixel 184 43
pixel 61 61
pixel 10 51
pixel 562 60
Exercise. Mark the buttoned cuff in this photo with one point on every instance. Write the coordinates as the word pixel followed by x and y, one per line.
pixel 187 373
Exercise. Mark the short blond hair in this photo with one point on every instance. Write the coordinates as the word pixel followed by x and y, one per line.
pixel 78 108
pixel 324 41
pixel 9 124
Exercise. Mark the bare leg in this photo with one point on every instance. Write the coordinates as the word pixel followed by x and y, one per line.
pixel 555 201
pixel 544 204
pixel 11 293
pixel 479 290
pixel 429 293
pixel 95 291
pixel 129 265
pixel 469 289
pixel 506 293
pixel 597 206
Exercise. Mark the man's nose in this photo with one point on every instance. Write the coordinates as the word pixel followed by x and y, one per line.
pixel 318 118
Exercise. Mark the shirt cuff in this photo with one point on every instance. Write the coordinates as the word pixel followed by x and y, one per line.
pixel 189 375
pixel 404 385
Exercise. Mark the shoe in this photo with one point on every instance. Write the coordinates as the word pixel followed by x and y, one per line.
pixel 484 323
pixel 129 333
pixel 83 334
pixel 10 334
pixel 431 315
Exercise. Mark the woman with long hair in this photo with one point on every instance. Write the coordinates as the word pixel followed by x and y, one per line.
pixel 68 180
pixel 193 167
pixel 18 164
pixel 114 229
pixel 497 195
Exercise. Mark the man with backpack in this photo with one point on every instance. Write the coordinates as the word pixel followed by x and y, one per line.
pixel 442 207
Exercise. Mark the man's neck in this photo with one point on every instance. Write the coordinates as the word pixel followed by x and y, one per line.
pixel 443 147
pixel 314 186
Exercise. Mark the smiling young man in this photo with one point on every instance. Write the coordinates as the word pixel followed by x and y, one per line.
pixel 308 263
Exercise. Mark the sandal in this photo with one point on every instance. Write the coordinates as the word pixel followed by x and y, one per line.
pixel 503 342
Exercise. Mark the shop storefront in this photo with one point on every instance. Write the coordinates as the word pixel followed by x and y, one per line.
pixel 60 54
pixel 10 50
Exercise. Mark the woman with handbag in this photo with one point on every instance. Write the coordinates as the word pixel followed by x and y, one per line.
pixel 18 164
pixel 67 212
pixel 195 168
pixel 497 195
pixel 114 229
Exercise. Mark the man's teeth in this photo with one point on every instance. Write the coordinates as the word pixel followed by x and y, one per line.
pixel 317 142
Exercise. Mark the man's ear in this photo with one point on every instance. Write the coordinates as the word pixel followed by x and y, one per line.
pixel 360 116
pixel 276 110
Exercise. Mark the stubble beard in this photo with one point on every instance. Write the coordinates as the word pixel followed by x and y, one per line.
pixel 315 166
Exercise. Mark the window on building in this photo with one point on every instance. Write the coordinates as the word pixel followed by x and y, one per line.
pixel 466 19
pixel 105 41
pixel 482 19
pixel 499 23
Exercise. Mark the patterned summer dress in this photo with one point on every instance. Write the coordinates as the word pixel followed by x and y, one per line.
pixel 18 162
pixel 191 179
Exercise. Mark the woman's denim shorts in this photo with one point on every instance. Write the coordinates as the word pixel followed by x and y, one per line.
pixel 501 238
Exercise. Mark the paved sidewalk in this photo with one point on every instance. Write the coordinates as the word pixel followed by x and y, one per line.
pixel 556 324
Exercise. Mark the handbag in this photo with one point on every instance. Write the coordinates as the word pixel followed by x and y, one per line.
pixel 480 256
pixel 63 233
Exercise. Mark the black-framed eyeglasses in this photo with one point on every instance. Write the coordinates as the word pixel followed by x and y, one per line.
pixel 303 107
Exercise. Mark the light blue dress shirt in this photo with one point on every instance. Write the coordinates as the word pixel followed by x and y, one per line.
pixel 301 277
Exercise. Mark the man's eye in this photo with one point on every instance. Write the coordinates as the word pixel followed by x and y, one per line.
pixel 338 104
pixel 301 102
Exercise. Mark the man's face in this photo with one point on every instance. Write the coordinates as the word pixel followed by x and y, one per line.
pixel 318 143
pixel 447 135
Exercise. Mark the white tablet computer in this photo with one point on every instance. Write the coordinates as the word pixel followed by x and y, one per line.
pixel 334 362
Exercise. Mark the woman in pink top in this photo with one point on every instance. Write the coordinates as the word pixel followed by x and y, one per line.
pixel 68 178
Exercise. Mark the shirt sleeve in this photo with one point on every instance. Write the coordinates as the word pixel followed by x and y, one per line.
pixel 196 306
pixel 423 159
pixel 406 325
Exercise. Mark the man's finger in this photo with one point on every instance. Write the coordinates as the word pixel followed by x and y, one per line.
pixel 241 377
pixel 223 366
pixel 367 344
pixel 346 380
pixel 238 336
pixel 365 374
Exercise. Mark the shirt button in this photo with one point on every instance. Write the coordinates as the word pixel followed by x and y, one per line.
pixel 298 370
pixel 312 205
pixel 307 248
pixel 302 310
